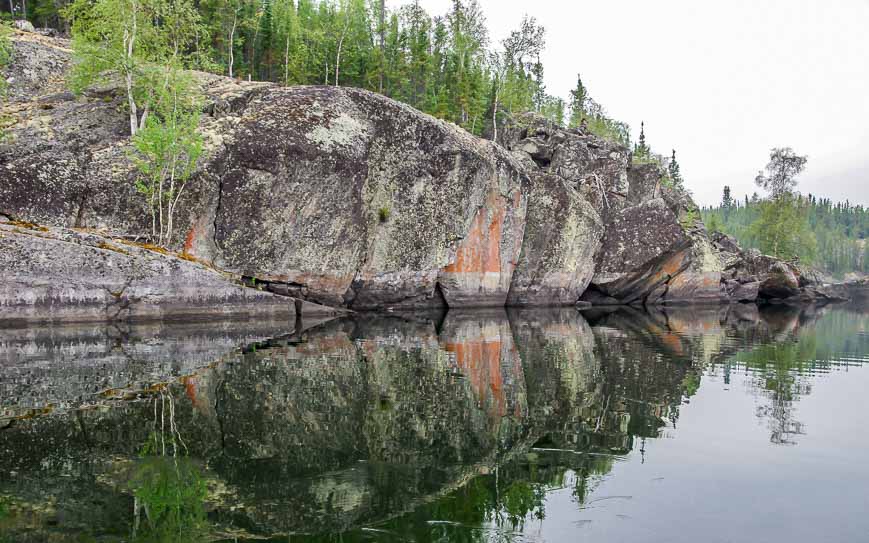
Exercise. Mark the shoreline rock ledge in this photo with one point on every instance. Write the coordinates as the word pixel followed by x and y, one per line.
pixel 347 199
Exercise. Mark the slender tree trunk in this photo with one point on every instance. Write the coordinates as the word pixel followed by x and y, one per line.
pixel 134 115
pixel 382 43
pixel 287 62
pixel 341 44
pixel 495 114
pixel 129 42
pixel 144 117
pixel 232 41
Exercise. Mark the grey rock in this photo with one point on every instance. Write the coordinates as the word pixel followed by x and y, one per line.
pixel 58 274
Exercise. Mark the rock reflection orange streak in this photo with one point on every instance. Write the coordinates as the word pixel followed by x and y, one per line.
pixel 190 390
pixel 480 362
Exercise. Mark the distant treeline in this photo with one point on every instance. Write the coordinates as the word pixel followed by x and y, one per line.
pixel 836 232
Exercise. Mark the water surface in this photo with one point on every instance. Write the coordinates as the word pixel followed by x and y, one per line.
pixel 681 425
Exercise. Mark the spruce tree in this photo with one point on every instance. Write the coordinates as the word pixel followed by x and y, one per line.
pixel 727 200
pixel 673 167
pixel 641 150
pixel 578 97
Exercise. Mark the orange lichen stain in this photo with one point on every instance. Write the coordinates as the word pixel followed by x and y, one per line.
pixel 190 390
pixel 480 251
pixel 480 362
pixel 189 240
pixel 190 258
pixel 28 225
pixel 672 265
pixel 146 246
pixel 673 342
pixel 109 247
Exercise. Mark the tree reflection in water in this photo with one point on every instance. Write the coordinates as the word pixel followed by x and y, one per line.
pixel 455 427
pixel 168 489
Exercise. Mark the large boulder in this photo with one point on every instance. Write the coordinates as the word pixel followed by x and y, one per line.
pixel 574 178
pixel 656 249
pixel 358 200
pixel 562 234
pixel 779 282
pixel 749 275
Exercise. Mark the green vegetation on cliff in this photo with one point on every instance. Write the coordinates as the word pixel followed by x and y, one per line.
pixel 444 65
pixel 790 225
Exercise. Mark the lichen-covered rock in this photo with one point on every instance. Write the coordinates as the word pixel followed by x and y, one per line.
pixel 643 248
pixel 347 198
pixel 65 160
pixel 53 274
pixel 749 276
pixel 562 234
pixel 656 250
pixel 357 200
pixel 779 282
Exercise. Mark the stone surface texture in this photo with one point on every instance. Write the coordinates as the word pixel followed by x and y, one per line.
pixel 346 198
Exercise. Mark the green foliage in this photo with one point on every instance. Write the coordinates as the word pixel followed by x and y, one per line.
pixel 689 219
pixel 383 214
pixel 674 171
pixel 791 226
pixel 167 148
pixel 727 201
pixel 642 151
pixel 587 114
pixel 665 181
pixel 713 224
pixel 781 172
pixel 523 498
pixel 690 384
pixel 6 52
pixel 578 98
pixel 130 40
pixel 442 65
pixel 782 229
pixel 839 230
pixel 170 492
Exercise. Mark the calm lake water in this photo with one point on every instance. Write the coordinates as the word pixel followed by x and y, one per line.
pixel 678 425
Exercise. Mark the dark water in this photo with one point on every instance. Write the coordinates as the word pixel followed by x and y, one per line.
pixel 685 425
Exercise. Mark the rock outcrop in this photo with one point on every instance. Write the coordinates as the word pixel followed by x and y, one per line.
pixel 601 226
pixel 346 198
pixel 60 274
pixel 750 276
pixel 356 200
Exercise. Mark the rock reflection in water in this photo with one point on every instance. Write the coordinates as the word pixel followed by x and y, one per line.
pixel 376 425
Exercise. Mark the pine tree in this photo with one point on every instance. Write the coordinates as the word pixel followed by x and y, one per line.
pixel 578 97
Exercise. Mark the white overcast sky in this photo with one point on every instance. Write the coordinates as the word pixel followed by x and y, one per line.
pixel 720 81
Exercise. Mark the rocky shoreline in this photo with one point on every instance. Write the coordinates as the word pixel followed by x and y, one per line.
pixel 324 199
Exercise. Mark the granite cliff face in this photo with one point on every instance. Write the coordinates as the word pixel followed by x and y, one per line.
pixel 346 198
